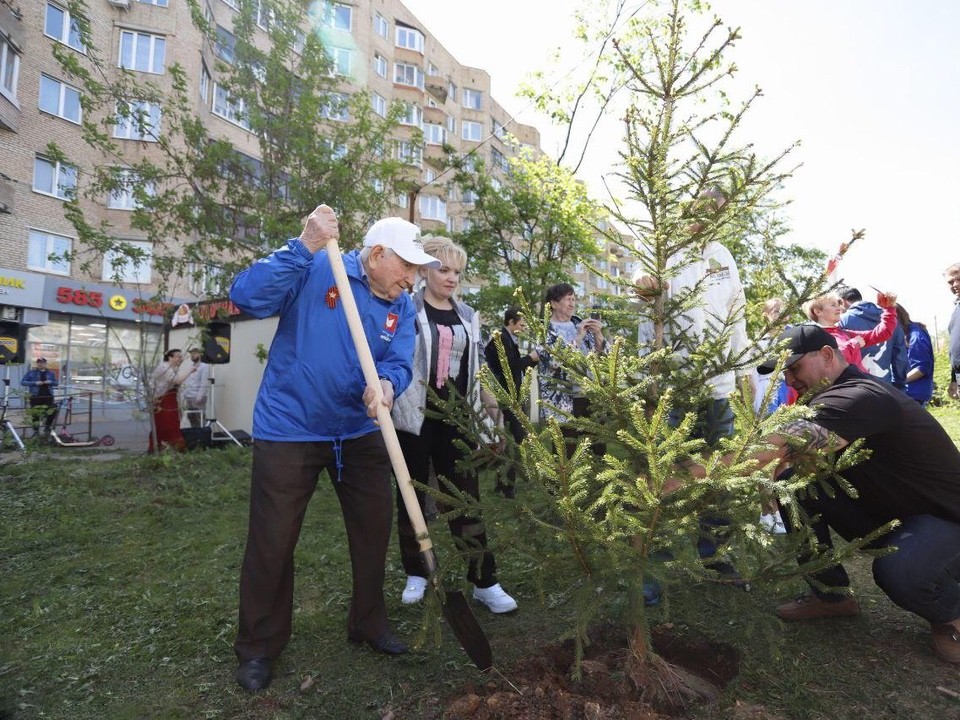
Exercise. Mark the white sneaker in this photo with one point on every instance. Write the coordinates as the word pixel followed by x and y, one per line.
pixel 495 598
pixel 413 592
pixel 773 523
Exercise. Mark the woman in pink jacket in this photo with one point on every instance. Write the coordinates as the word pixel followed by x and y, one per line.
pixel 826 310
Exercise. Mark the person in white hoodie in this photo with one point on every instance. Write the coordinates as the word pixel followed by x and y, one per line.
pixel 193 392
pixel 705 268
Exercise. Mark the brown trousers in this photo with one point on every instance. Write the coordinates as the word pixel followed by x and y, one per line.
pixel 283 480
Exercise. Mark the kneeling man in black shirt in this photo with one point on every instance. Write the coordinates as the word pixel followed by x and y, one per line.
pixel 912 475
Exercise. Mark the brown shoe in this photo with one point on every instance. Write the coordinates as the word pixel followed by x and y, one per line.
pixel 946 641
pixel 810 607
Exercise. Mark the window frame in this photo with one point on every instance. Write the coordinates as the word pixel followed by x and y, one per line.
pixel 130 122
pixel 466 99
pixel 379 104
pixel 380 62
pixel 412 115
pixel 130 203
pixel 136 273
pixel 238 115
pixel 68 27
pixel 7 51
pixel 380 22
pixel 417 75
pixel 332 14
pixel 61 99
pixel 433 207
pixel 471 124
pixel 59 170
pixel 418 42
pixel 434 133
pixel 137 39
pixel 48 266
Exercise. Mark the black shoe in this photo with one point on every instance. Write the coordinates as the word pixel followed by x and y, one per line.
pixel 507 491
pixel 388 643
pixel 254 675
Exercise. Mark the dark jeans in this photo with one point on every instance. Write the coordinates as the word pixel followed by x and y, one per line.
pixel 42 408
pixel 283 480
pixel 436 442
pixel 512 423
pixel 714 421
pixel 581 408
pixel 922 576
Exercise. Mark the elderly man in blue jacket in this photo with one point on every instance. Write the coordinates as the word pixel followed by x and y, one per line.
pixel 314 412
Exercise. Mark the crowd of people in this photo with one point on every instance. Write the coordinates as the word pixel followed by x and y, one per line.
pixel 865 368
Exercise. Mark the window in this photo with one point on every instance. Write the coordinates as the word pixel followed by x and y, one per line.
pixel 434 134
pixel 469 197
pixel 9 69
pixel 409 153
pixel 299 41
pixel 264 18
pixel 408 37
pixel 404 74
pixel 340 60
pixel 433 208
pixel 235 4
pixel 466 225
pixel 51 177
pixel 403 200
pixel 499 130
pixel 499 160
pixel 204 82
pixel 432 70
pixel 380 65
pixel 335 107
pixel 61 27
pixel 337 151
pixel 451 124
pixel 412 115
pixel 472 99
pixel 137 120
pixel 379 105
pixel 338 16
pixel 46 252
pixel 60 99
pixel 452 92
pixel 233 110
pixel 378 185
pixel 143 52
pixel 131 263
pixel 124 197
pixel 225 44
pixel 207 280
pixel 472 131
pixel 380 26
pixel 158 3
pixel 429 176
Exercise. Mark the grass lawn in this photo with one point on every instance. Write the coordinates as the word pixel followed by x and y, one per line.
pixel 119 591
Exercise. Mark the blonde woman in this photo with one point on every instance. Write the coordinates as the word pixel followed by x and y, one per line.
pixel 826 310
pixel 449 352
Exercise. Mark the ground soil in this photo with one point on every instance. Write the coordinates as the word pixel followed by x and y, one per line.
pixel 544 689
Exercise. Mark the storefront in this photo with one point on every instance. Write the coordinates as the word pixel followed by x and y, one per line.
pixel 93 336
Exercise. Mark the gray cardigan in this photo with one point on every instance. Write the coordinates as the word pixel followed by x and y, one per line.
pixel 408 409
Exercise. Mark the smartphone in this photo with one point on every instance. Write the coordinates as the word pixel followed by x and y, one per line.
pixel 594 313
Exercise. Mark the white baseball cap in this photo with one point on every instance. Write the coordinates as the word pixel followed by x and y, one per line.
pixel 403 238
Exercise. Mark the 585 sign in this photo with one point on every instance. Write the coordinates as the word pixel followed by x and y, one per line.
pixel 83 298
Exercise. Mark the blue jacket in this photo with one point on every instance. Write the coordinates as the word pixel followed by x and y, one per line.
pixel 31 381
pixel 886 361
pixel 920 353
pixel 312 386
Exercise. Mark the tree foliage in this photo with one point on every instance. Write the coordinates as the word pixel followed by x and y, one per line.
pixel 203 201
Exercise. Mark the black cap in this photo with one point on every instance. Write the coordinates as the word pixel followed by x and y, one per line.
pixel 799 340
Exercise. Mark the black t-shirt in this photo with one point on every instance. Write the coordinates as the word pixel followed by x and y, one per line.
pixel 913 468
pixel 450 350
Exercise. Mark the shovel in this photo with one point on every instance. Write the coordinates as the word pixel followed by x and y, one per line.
pixel 457 612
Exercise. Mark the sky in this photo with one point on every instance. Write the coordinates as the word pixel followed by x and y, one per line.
pixel 870 88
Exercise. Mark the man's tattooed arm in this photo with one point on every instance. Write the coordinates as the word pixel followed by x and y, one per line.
pixel 802 436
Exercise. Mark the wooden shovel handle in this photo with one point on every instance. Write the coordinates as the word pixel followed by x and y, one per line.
pixel 387 428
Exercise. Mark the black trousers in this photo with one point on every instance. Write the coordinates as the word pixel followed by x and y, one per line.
pixel 436 442
pixel 42 407
pixel 283 480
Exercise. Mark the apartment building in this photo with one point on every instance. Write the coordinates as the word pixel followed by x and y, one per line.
pixel 81 321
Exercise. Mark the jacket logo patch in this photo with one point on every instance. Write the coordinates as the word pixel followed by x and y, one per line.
pixel 390 325
pixel 333 294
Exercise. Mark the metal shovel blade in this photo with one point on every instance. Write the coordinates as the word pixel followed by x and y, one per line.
pixel 464 624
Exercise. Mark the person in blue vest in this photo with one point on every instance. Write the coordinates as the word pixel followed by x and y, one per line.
pixel 885 361
pixel 40 382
